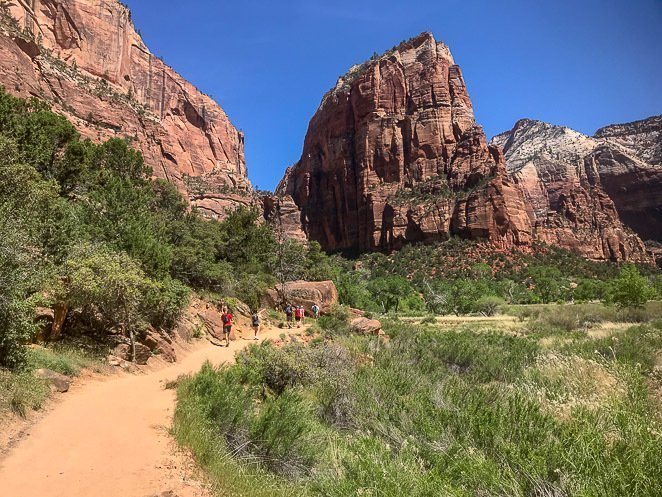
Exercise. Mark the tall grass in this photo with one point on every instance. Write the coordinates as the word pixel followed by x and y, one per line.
pixel 432 412
pixel 21 392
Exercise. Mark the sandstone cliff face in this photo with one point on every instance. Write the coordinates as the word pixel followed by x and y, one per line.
pixel 629 160
pixel 560 177
pixel 589 193
pixel 86 58
pixel 284 215
pixel 393 155
pixel 643 137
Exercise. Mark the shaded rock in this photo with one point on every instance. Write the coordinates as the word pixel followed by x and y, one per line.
pixel 366 326
pixel 159 344
pixel 58 382
pixel 124 351
pixel 284 216
pixel 393 155
pixel 305 293
pixel 113 361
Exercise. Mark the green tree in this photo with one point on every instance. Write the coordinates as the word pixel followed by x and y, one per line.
pixel 389 291
pixel 630 289
pixel 488 305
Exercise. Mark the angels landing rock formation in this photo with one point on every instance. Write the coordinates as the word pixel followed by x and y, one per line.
pixel 86 59
pixel 393 155
pixel 565 175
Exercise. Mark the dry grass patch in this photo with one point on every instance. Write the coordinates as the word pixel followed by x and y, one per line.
pixel 563 383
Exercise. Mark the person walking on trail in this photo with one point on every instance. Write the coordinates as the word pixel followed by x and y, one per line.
pixel 316 311
pixel 303 314
pixel 288 314
pixel 298 315
pixel 227 318
pixel 255 318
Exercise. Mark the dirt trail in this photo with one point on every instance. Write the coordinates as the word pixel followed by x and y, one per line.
pixel 110 438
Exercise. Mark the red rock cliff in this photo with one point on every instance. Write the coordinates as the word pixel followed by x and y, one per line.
pixel 629 160
pixel 557 168
pixel 86 58
pixel 393 155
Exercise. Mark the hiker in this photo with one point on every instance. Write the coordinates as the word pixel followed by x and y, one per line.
pixel 303 314
pixel 227 325
pixel 316 311
pixel 288 315
pixel 256 324
pixel 297 315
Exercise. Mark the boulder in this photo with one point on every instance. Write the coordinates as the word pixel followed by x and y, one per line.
pixel 366 326
pixel 143 353
pixel 305 293
pixel 160 343
pixel 57 381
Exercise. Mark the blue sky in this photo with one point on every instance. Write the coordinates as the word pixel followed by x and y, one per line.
pixel 581 63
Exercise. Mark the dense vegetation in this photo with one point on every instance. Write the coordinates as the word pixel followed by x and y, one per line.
pixel 83 225
pixel 528 410
pixel 460 277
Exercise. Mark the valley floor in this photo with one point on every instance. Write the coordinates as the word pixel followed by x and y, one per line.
pixel 111 438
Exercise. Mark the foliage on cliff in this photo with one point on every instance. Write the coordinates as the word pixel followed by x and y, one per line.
pixel 84 225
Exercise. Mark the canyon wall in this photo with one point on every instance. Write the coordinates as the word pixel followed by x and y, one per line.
pixel 87 60
pixel 560 175
pixel 393 155
pixel 629 160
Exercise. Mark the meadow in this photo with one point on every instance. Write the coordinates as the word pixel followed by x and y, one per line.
pixel 547 400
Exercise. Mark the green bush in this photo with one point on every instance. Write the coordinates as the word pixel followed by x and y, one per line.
pixel 489 305
pixel 630 289
pixel 336 322
pixel 445 413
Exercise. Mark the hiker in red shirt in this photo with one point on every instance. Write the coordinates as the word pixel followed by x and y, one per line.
pixel 227 325
pixel 298 315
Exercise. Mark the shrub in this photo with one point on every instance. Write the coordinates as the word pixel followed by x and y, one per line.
pixel 336 322
pixel 630 289
pixel 489 305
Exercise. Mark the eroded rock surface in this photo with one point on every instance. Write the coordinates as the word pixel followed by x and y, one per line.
pixel 629 161
pixel 86 59
pixel 305 293
pixel 564 175
pixel 393 155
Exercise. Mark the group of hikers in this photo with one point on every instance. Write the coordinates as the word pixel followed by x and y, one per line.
pixel 295 313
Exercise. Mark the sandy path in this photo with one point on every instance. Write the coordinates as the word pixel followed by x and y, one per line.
pixel 110 439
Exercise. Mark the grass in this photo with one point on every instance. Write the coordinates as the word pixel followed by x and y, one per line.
pixel 549 410
pixel 21 392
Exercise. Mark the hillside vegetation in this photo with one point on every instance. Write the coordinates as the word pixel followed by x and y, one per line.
pixel 500 406
pixel 83 226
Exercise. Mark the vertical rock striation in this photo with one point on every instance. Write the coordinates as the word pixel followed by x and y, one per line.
pixel 393 155
pixel 566 177
pixel 86 58
pixel 629 160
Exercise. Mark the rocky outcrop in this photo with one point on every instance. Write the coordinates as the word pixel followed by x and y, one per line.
pixel 562 174
pixel 366 326
pixel 57 381
pixel 304 293
pixel 393 155
pixel 283 214
pixel 643 138
pixel 629 160
pixel 86 59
